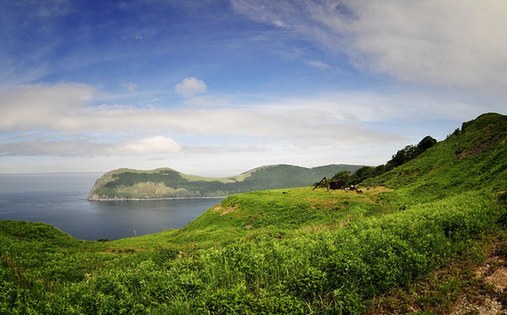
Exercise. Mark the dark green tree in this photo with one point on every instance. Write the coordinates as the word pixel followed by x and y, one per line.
pixel 426 143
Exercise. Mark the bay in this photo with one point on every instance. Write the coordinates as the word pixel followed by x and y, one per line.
pixel 60 200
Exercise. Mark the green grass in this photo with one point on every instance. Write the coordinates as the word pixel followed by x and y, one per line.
pixel 441 291
pixel 300 271
pixel 291 251
pixel 269 214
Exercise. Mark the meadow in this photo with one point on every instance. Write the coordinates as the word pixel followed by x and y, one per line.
pixel 285 251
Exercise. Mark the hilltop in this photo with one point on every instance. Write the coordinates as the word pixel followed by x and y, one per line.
pixel 168 183
pixel 427 237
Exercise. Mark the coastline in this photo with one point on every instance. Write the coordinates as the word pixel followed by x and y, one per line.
pixel 152 199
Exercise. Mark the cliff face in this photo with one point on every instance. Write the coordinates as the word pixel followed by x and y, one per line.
pixel 127 184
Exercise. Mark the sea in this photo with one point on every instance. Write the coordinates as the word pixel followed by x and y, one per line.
pixel 60 200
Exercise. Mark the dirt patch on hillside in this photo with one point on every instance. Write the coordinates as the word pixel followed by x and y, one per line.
pixel 223 210
pixel 494 273
pixel 486 306
pixel 478 148
pixel 464 287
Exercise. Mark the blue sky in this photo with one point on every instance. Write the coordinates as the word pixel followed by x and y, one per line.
pixel 219 87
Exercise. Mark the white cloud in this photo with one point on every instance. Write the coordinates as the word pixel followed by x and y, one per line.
pixel 190 87
pixel 452 43
pixel 150 145
pixel 43 106
pixel 462 43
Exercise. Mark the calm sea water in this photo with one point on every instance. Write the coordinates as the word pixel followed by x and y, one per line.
pixel 60 200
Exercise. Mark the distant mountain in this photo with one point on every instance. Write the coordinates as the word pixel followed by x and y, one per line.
pixel 124 184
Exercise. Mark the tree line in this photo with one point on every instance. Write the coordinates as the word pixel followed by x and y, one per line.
pixel 410 152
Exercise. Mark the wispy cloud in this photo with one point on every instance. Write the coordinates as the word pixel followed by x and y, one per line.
pixel 85 147
pixel 130 86
pixel 67 109
pixel 318 64
pixel 62 120
pixel 58 119
pixel 45 147
pixel 452 43
pixel 42 106
pixel 150 145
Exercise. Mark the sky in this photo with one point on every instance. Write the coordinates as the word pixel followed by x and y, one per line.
pixel 217 87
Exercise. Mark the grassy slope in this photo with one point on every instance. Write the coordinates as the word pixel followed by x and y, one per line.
pixel 472 159
pixel 266 215
pixel 164 183
pixel 281 251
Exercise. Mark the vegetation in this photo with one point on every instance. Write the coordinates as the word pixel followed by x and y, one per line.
pixel 347 178
pixel 290 251
pixel 168 183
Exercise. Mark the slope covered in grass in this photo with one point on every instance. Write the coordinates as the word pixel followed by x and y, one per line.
pixel 472 158
pixel 291 251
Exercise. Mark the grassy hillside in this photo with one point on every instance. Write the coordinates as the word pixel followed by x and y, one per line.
pixel 472 158
pixel 286 251
pixel 168 183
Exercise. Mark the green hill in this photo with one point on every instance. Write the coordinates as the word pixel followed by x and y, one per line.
pixel 441 172
pixel 474 157
pixel 386 250
pixel 168 183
